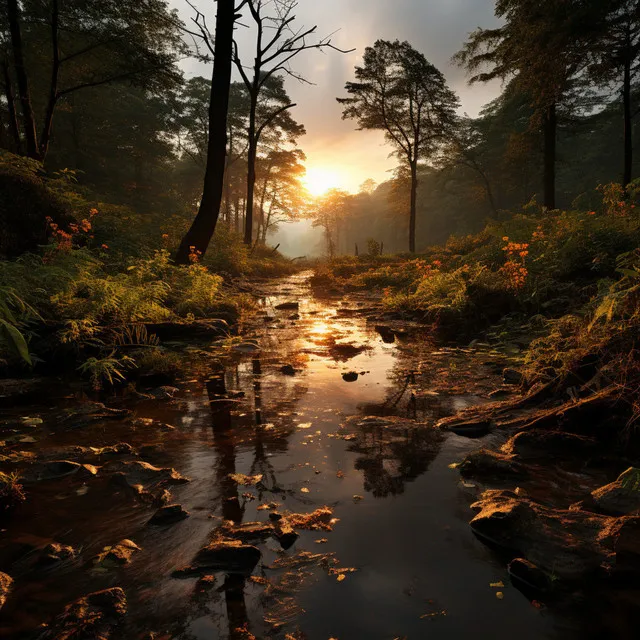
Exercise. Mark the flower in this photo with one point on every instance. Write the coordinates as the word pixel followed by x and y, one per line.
pixel 105 246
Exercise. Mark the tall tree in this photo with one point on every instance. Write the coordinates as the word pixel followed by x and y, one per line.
pixel 541 47
pixel 199 235
pixel 399 92
pixel 277 43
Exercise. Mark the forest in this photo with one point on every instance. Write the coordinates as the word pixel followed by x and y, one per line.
pixel 231 375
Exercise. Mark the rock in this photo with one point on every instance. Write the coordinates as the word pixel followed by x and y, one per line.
pixel 294 316
pixel 386 333
pixel 164 393
pixel 142 477
pixel 89 618
pixel 537 443
pixel 90 412
pixel 246 347
pixel 469 428
pixel 57 469
pixel 288 306
pixel 55 552
pixel 17 390
pixel 205 583
pixel 618 498
pixel 120 449
pixel 285 533
pixel 6 583
pixel 117 555
pixel 525 572
pixel 487 463
pixel 344 352
pixel 231 556
pixel 169 514
pixel 248 531
pixel 352 376
pixel 287 370
pixel 569 545
pixel 512 376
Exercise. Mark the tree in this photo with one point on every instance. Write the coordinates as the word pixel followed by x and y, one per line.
pixel 199 235
pixel 541 47
pixel 330 213
pixel 78 44
pixel 399 92
pixel 277 43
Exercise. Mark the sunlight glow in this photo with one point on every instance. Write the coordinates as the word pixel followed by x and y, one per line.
pixel 319 180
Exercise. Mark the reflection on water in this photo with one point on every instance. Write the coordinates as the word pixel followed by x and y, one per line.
pixel 420 572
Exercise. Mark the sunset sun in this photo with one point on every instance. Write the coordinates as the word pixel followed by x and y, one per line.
pixel 318 180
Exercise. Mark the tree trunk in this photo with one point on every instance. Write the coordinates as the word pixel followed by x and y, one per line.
pixel 201 231
pixel 251 173
pixel 11 107
pixel 627 175
pixel 414 204
pixel 550 141
pixel 45 135
pixel 22 78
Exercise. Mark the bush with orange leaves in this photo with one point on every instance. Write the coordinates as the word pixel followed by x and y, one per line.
pixel 515 269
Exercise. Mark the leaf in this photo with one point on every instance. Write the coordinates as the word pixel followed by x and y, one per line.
pixel 497 585
pixel 341 577
pixel 499 595
pixel 15 340
pixel 304 490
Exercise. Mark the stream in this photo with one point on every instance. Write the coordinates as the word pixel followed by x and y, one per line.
pixel 409 564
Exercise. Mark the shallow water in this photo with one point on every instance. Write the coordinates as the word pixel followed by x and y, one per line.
pixel 419 570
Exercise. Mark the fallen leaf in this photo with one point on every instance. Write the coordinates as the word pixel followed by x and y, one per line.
pixel 304 490
pixel 341 577
pixel 304 425
pixel 497 584
pixel 499 595
pixel 340 474
pixel 322 541
pixel 357 498
pixel 246 481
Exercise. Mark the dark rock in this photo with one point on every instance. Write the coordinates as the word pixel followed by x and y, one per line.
pixel 116 555
pixel 89 618
pixel 521 570
pixel 144 480
pixel 90 412
pixel 120 449
pixel 569 545
pixel 169 514
pixel 205 583
pixel 55 553
pixel 285 533
pixel 6 582
pixel 288 306
pixel 351 376
pixel 294 316
pixel 231 556
pixel 536 443
pixel 248 531
pixel 469 428
pixel 57 469
pixel 619 498
pixel 164 393
pixel 487 463
pixel 344 352
pixel 287 370
pixel 386 333
pixel 512 376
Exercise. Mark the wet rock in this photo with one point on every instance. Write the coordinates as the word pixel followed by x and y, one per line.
pixel 386 333
pixel 169 514
pixel 231 556
pixel 120 449
pixel 344 352
pixel 57 469
pixel 90 412
pixel 6 582
pixel 469 428
pixel 527 573
pixel 618 498
pixel 288 306
pixel 144 480
pixel 89 618
pixel 164 393
pixel 287 370
pixel 351 376
pixel 536 443
pixel 246 347
pixel 512 376
pixel 116 555
pixel 493 464
pixel 569 545
pixel 205 583
pixel 285 533
pixel 55 553
pixel 248 531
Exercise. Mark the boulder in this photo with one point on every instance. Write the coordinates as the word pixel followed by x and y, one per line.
pixel 248 531
pixel 144 480
pixel 512 376
pixel 618 498
pixel 538 443
pixel 230 556
pixel 55 553
pixel 525 572
pixel 57 469
pixel 169 514
pixel 568 545
pixel 351 376
pixel 89 618
pixel 287 370
pixel 6 583
pixel 89 412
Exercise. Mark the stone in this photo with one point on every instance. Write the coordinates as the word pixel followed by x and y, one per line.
pixel 164 393
pixel 6 583
pixel 57 469
pixel 619 498
pixel 569 545
pixel 89 412
pixel 144 480
pixel 231 556
pixel 285 533
pixel 351 376
pixel 116 555
pixel 288 306
pixel 493 464
pixel 468 428
pixel 55 552
pixel 512 376
pixel 287 370
pixel 169 514
pixel 527 573
pixel 91 617
pixel 248 531
pixel 540 443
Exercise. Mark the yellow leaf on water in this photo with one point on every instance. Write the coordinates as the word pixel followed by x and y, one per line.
pixel 341 577
pixel 497 584
pixel 304 490
pixel 499 595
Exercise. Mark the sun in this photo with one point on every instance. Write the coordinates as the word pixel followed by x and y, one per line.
pixel 318 180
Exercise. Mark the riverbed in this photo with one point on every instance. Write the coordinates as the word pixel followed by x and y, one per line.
pixel 400 561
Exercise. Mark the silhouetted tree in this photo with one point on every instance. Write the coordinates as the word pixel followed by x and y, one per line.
pixel 399 92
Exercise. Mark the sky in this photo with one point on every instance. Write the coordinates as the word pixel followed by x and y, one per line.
pixel 338 155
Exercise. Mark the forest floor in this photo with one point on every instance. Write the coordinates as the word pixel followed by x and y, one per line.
pixel 315 478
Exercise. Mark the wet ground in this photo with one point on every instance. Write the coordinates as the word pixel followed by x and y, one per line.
pixel 408 563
